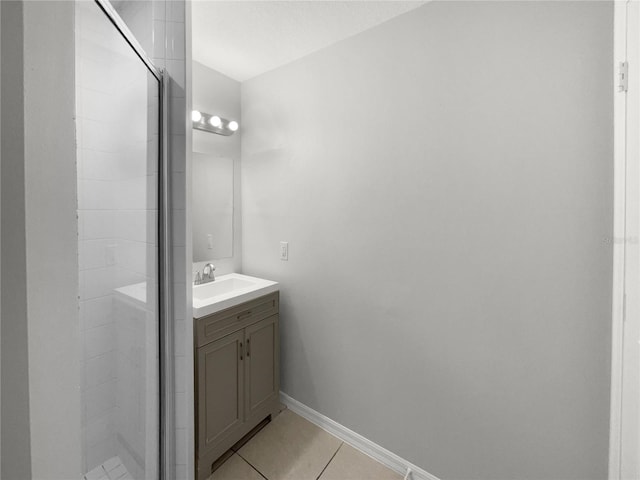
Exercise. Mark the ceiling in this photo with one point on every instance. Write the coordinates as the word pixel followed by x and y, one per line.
pixel 242 39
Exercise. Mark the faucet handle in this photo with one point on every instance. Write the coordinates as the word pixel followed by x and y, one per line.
pixel 198 279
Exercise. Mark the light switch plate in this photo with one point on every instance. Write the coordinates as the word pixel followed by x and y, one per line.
pixel 284 250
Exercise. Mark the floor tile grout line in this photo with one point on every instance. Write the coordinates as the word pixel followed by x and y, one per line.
pixel 330 460
pixel 249 463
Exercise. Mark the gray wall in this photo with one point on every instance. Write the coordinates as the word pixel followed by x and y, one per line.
pixel 51 229
pixel 40 331
pixel 215 93
pixel 16 442
pixel 445 184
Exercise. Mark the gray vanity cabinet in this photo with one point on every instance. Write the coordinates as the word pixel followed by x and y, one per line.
pixel 237 375
pixel 220 390
pixel 261 366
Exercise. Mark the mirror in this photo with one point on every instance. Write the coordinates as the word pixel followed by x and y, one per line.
pixel 213 210
pixel 215 169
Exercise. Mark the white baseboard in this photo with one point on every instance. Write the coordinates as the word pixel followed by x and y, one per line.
pixel 366 446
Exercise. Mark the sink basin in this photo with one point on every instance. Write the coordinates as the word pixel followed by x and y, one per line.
pixel 220 287
pixel 228 291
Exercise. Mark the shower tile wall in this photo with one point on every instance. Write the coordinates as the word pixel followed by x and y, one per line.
pixel 115 185
pixel 159 26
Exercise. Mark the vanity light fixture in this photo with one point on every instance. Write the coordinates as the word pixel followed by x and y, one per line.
pixel 213 123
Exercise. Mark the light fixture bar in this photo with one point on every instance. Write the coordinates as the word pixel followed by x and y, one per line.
pixel 213 123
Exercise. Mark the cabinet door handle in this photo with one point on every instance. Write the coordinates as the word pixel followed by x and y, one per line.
pixel 248 349
pixel 244 315
pixel 240 350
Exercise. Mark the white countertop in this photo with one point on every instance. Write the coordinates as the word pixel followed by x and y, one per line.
pixel 228 291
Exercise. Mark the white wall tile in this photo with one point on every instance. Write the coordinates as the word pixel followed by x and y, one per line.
pixel 92 72
pixel 96 283
pixel 159 39
pixel 131 193
pixel 175 11
pixel 100 428
pixel 95 253
pixel 98 135
pixel 96 194
pixel 133 256
pixel 99 369
pixel 99 165
pixel 132 225
pixel 98 223
pixel 100 399
pixel 175 40
pixel 96 312
pixel 95 105
pixel 81 225
pixel 99 340
pixel 159 10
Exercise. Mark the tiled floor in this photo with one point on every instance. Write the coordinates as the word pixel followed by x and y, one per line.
pixel 112 469
pixel 291 448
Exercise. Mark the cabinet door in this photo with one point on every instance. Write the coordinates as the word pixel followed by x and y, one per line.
pixel 262 375
pixel 220 390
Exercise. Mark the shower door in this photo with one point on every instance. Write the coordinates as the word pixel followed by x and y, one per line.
pixel 118 106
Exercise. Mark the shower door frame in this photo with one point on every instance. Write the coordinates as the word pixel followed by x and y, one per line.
pixel 166 439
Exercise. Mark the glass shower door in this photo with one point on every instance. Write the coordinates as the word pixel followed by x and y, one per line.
pixel 118 137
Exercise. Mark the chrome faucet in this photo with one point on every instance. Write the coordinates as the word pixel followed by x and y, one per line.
pixel 206 276
pixel 207 273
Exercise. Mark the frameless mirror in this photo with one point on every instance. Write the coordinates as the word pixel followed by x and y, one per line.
pixel 212 207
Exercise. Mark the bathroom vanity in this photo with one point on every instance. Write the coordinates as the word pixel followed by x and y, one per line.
pixel 236 362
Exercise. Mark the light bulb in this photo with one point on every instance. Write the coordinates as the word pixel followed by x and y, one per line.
pixel 215 121
pixel 233 125
pixel 196 116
